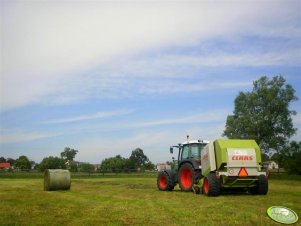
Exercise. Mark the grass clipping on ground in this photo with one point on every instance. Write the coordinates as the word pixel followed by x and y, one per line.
pixel 131 201
pixel 57 179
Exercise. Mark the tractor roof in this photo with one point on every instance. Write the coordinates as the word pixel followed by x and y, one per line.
pixel 196 142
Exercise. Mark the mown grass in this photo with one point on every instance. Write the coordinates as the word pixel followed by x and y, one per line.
pixel 36 174
pixel 136 201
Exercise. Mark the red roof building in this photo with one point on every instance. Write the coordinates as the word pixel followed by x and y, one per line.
pixel 4 165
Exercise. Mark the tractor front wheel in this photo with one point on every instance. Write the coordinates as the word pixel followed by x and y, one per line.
pixel 211 186
pixel 164 182
pixel 186 177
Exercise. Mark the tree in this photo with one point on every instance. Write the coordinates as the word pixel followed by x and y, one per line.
pixel 263 114
pixel 52 163
pixel 136 160
pixel 264 157
pixel 139 160
pixel 72 167
pixel 290 157
pixel 115 164
pixel 2 159
pixel 11 161
pixel 87 167
pixel 149 166
pixel 68 154
pixel 23 163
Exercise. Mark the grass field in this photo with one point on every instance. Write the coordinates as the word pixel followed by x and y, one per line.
pixel 136 201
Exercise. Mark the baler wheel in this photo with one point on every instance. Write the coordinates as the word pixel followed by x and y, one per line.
pixel 164 182
pixel 211 186
pixel 186 177
pixel 262 186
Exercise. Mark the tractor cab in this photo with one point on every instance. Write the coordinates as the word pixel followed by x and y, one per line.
pixel 187 170
pixel 190 152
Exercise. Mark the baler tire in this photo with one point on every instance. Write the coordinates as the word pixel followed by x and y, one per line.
pixel 186 177
pixel 165 182
pixel 211 186
pixel 262 186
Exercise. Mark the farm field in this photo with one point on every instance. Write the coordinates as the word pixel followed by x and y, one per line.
pixel 136 201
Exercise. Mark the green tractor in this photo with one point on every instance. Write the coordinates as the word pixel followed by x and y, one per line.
pixel 211 167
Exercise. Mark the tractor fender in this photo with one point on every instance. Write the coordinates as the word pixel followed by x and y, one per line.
pixel 193 162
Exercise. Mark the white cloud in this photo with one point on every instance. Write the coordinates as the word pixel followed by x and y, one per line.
pixel 131 83
pixel 291 57
pixel 173 87
pixel 17 135
pixel 96 115
pixel 205 117
pixel 214 116
pixel 47 46
pixel 23 136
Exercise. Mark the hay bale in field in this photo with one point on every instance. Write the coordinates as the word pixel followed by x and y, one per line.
pixel 57 179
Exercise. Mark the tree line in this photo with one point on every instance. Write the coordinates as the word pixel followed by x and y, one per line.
pixel 137 161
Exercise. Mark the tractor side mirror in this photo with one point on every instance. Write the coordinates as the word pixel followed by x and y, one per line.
pixel 171 150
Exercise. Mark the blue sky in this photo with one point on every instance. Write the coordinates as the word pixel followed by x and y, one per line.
pixel 105 77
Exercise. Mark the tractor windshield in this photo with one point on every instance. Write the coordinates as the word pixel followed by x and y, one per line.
pixel 192 151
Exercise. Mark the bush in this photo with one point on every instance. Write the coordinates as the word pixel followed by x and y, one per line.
pixel 52 163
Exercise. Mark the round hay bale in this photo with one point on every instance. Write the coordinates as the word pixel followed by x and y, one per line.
pixel 57 179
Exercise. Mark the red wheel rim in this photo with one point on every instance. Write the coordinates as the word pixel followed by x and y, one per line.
pixel 186 178
pixel 206 186
pixel 162 182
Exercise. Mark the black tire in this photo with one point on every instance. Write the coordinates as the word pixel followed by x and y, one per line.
pixel 165 182
pixel 211 186
pixel 186 177
pixel 262 186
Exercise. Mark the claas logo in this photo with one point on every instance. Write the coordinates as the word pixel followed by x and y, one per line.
pixel 242 157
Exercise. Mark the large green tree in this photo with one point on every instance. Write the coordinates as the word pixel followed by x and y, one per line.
pixel 23 163
pixel 139 160
pixel 263 114
pixel 52 163
pixel 68 154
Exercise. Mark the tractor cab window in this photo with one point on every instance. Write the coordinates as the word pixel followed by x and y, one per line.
pixel 192 151
pixel 195 152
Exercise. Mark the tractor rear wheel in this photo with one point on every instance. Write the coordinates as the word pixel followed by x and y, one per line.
pixel 211 186
pixel 262 186
pixel 186 177
pixel 164 182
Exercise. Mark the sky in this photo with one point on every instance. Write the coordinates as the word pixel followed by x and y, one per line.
pixel 106 77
